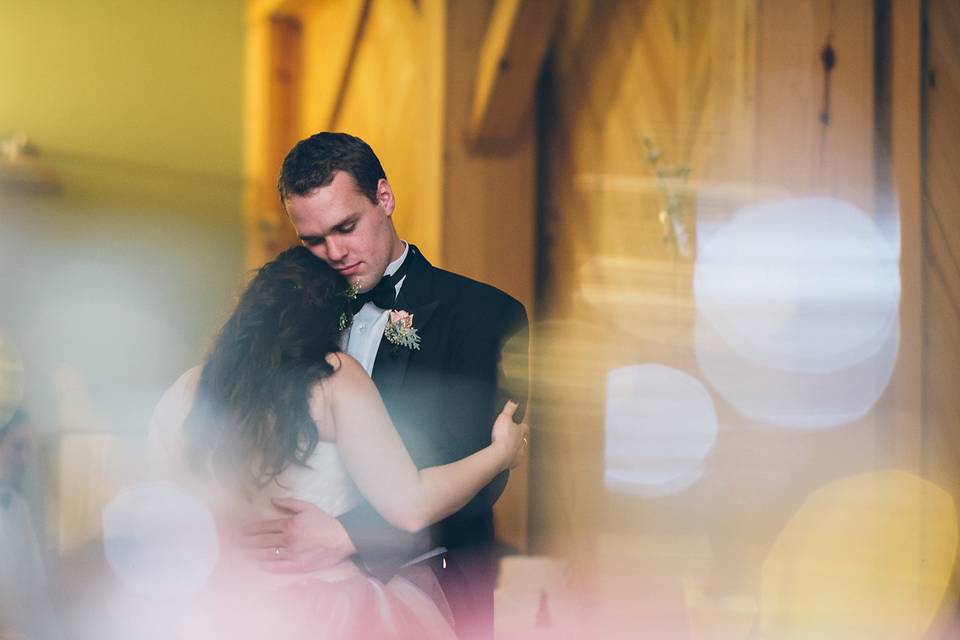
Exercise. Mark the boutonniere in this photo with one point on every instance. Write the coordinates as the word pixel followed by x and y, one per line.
pixel 400 331
pixel 350 293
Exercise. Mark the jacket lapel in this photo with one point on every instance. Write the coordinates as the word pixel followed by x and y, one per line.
pixel 416 296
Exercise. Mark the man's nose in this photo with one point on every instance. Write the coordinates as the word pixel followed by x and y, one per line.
pixel 335 250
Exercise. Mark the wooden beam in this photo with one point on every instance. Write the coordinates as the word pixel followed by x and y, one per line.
pixel 906 119
pixel 497 194
pixel 359 21
pixel 511 56
pixel 271 117
pixel 259 10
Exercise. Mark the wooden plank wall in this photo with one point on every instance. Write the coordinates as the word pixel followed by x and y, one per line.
pixel 735 90
pixel 684 75
pixel 941 257
pixel 795 149
pixel 613 293
pixel 941 221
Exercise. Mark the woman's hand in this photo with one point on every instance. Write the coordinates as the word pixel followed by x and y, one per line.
pixel 510 438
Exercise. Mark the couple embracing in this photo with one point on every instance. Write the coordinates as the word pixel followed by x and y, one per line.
pixel 346 422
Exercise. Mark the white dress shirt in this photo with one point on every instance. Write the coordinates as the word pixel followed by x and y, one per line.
pixel 363 338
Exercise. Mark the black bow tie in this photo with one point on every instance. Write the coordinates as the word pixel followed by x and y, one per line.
pixel 384 295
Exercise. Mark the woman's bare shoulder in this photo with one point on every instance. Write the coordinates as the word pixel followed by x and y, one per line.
pixel 346 368
pixel 165 437
pixel 189 380
pixel 348 383
pixel 178 398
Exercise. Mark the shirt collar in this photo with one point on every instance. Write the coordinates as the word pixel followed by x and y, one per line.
pixel 393 266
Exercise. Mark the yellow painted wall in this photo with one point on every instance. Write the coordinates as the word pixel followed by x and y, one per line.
pixel 154 85
pixel 113 287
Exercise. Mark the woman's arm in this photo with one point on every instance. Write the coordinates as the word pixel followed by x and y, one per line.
pixel 380 465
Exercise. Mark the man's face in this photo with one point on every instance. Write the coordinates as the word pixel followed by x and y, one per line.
pixel 340 225
pixel 15 454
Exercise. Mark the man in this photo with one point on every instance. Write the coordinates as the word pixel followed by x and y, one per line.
pixel 440 380
pixel 25 608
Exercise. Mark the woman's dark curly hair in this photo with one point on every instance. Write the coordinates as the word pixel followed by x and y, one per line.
pixel 250 417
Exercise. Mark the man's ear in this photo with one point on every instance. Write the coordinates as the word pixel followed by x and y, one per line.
pixel 385 197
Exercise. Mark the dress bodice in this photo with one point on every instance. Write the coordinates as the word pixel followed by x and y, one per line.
pixel 323 482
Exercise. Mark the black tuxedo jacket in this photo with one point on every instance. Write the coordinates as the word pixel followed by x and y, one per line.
pixel 443 399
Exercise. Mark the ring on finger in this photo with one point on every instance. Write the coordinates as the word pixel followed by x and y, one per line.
pixel 276 551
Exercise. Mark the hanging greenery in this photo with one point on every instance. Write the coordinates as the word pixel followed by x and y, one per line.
pixel 672 185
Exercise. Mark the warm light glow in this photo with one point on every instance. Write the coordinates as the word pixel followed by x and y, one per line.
pixel 870 556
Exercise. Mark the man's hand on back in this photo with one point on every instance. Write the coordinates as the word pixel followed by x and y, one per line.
pixel 305 540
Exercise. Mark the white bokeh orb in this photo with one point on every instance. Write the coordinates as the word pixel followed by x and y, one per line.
pixel 807 285
pixel 660 427
pixel 794 399
pixel 160 539
pixel 797 312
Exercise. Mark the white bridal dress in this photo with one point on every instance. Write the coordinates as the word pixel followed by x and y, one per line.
pixel 242 600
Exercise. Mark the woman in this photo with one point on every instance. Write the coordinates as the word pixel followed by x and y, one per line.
pixel 278 411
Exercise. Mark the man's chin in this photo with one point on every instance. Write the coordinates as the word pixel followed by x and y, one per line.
pixel 361 284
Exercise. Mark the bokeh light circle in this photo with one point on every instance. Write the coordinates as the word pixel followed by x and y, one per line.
pixel 160 539
pixel 797 321
pixel 867 556
pixel 807 285
pixel 660 427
